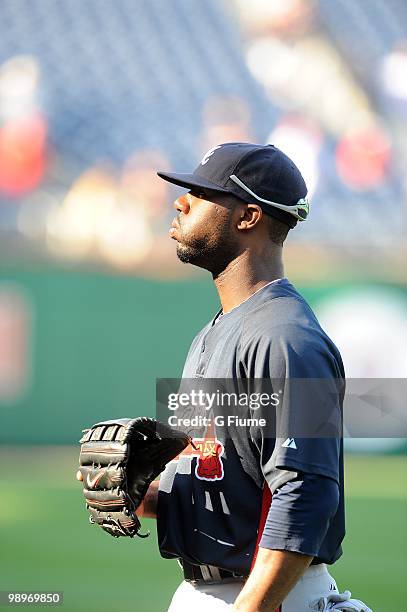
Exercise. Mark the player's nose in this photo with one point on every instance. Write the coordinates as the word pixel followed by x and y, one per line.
pixel 182 204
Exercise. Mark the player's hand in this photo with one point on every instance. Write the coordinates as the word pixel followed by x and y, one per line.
pixel 79 476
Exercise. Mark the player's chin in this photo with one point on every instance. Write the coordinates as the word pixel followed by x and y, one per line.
pixel 188 253
pixel 185 253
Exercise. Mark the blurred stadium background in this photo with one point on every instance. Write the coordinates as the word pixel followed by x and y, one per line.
pixel 95 96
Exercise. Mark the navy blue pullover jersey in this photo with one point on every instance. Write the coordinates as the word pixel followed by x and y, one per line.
pixel 213 501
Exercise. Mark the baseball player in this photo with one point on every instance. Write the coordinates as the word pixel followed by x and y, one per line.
pixel 257 529
pixel 254 519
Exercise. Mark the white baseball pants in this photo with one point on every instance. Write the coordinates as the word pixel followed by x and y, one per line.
pixel 314 584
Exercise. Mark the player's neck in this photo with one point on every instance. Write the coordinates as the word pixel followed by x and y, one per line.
pixel 245 275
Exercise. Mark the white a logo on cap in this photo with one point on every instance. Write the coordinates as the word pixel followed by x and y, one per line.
pixel 209 154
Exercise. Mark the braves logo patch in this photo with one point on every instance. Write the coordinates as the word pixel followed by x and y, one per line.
pixel 209 465
pixel 208 451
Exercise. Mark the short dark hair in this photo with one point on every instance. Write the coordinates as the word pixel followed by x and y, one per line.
pixel 277 230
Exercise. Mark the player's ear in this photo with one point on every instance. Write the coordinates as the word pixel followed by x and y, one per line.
pixel 249 216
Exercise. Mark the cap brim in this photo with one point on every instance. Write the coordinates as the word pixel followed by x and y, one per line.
pixel 189 181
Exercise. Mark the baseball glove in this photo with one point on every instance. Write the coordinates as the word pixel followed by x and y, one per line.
pixel 118 461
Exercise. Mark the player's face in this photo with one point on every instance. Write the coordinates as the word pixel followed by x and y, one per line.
pixel 205 230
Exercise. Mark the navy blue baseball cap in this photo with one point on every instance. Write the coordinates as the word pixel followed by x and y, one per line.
pixel 256 174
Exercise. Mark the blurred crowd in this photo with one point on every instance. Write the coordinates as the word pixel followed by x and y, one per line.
pixel 341 117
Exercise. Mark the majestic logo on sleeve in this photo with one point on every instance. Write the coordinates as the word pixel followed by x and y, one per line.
pixel 290 443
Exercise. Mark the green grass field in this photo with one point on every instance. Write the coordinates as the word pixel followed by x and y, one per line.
pixel 47 543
